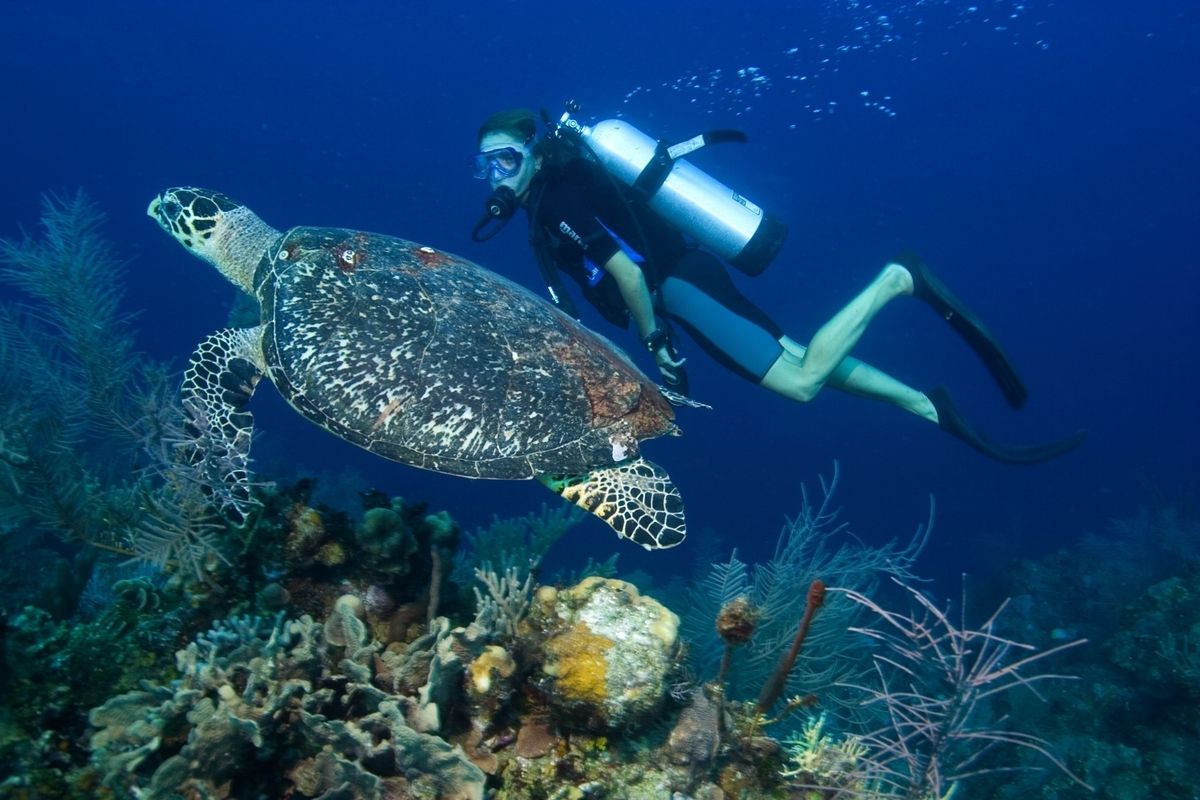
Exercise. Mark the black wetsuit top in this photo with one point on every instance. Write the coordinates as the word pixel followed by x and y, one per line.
pixel 581 212
pixel 577 212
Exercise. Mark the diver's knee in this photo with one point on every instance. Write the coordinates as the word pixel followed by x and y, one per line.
pixel 796 386
pixel 805 391
pixel 788 377
pixel 896 279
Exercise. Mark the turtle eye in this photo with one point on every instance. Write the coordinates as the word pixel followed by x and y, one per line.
pixel 171 209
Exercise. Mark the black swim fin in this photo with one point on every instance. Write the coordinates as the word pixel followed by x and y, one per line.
pixel 953 423
pixel 932 291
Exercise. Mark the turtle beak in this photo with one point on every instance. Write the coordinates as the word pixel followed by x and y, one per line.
pixel 155 210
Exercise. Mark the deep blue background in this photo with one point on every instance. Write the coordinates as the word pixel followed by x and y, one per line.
pixel 1042 156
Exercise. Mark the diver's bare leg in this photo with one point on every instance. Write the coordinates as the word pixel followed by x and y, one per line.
pixel 858 377
pixel 800 375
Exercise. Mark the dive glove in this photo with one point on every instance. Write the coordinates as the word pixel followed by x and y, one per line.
pixel 670 363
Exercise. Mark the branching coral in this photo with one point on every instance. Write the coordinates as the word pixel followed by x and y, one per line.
pixel 817 757
pixel 933 679
pixel 507 600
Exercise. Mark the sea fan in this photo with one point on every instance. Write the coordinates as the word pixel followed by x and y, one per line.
pixel 813 545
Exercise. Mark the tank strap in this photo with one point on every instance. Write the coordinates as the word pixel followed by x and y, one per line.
pixel 722 136
pixel 655 173
pixel 664 157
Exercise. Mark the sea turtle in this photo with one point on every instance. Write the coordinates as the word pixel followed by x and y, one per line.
pixel 421 357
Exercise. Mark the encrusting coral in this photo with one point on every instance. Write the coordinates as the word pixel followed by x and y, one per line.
pixel 609 651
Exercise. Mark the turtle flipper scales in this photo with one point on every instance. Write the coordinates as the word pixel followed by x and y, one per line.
pixel 636 498
pixel 219 381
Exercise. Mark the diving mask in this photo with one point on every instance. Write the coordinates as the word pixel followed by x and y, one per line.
pixel 498 164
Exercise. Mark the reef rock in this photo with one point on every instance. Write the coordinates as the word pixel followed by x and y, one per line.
pixel 608 652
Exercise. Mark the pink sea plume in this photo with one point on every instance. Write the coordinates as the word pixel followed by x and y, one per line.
pixel 932 679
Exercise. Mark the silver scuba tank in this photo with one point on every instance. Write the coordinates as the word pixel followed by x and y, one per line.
pixel 692 200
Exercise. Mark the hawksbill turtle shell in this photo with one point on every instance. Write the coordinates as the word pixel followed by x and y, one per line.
pixel 421 357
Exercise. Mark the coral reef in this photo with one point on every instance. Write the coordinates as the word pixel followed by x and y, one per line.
pixel 935 682
pixel 258 703
pixel 814 545
pixel 608 652
pixel 373 651
pixel 321 709
pixel 819 759
pixel 344 681
pixel 1126 726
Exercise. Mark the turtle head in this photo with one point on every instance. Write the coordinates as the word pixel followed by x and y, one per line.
pixel 215 228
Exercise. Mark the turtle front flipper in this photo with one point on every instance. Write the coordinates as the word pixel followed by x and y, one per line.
pixel 636 498
pixel 219 381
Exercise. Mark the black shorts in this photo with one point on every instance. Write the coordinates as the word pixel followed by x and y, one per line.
pixel 699 294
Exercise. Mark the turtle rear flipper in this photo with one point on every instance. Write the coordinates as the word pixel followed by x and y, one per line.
pixel 219 381
pixel 636 498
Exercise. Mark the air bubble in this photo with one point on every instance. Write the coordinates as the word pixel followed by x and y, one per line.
pixel 849 28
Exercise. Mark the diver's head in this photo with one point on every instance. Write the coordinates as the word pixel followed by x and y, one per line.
pixel 507 155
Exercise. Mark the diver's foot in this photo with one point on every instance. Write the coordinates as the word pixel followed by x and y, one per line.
pixel 927 288
pixel 953 423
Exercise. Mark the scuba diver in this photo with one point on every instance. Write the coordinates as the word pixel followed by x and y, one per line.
pixel 639 231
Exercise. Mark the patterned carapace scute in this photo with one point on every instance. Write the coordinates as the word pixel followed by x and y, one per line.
pixel 426 358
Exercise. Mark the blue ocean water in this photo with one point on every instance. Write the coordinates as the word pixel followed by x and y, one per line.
pixel 1041 155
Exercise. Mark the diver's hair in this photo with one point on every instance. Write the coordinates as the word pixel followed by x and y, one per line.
pixel 521 123
pixel 518 122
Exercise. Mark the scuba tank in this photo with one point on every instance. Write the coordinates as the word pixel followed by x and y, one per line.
pixel 693 201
